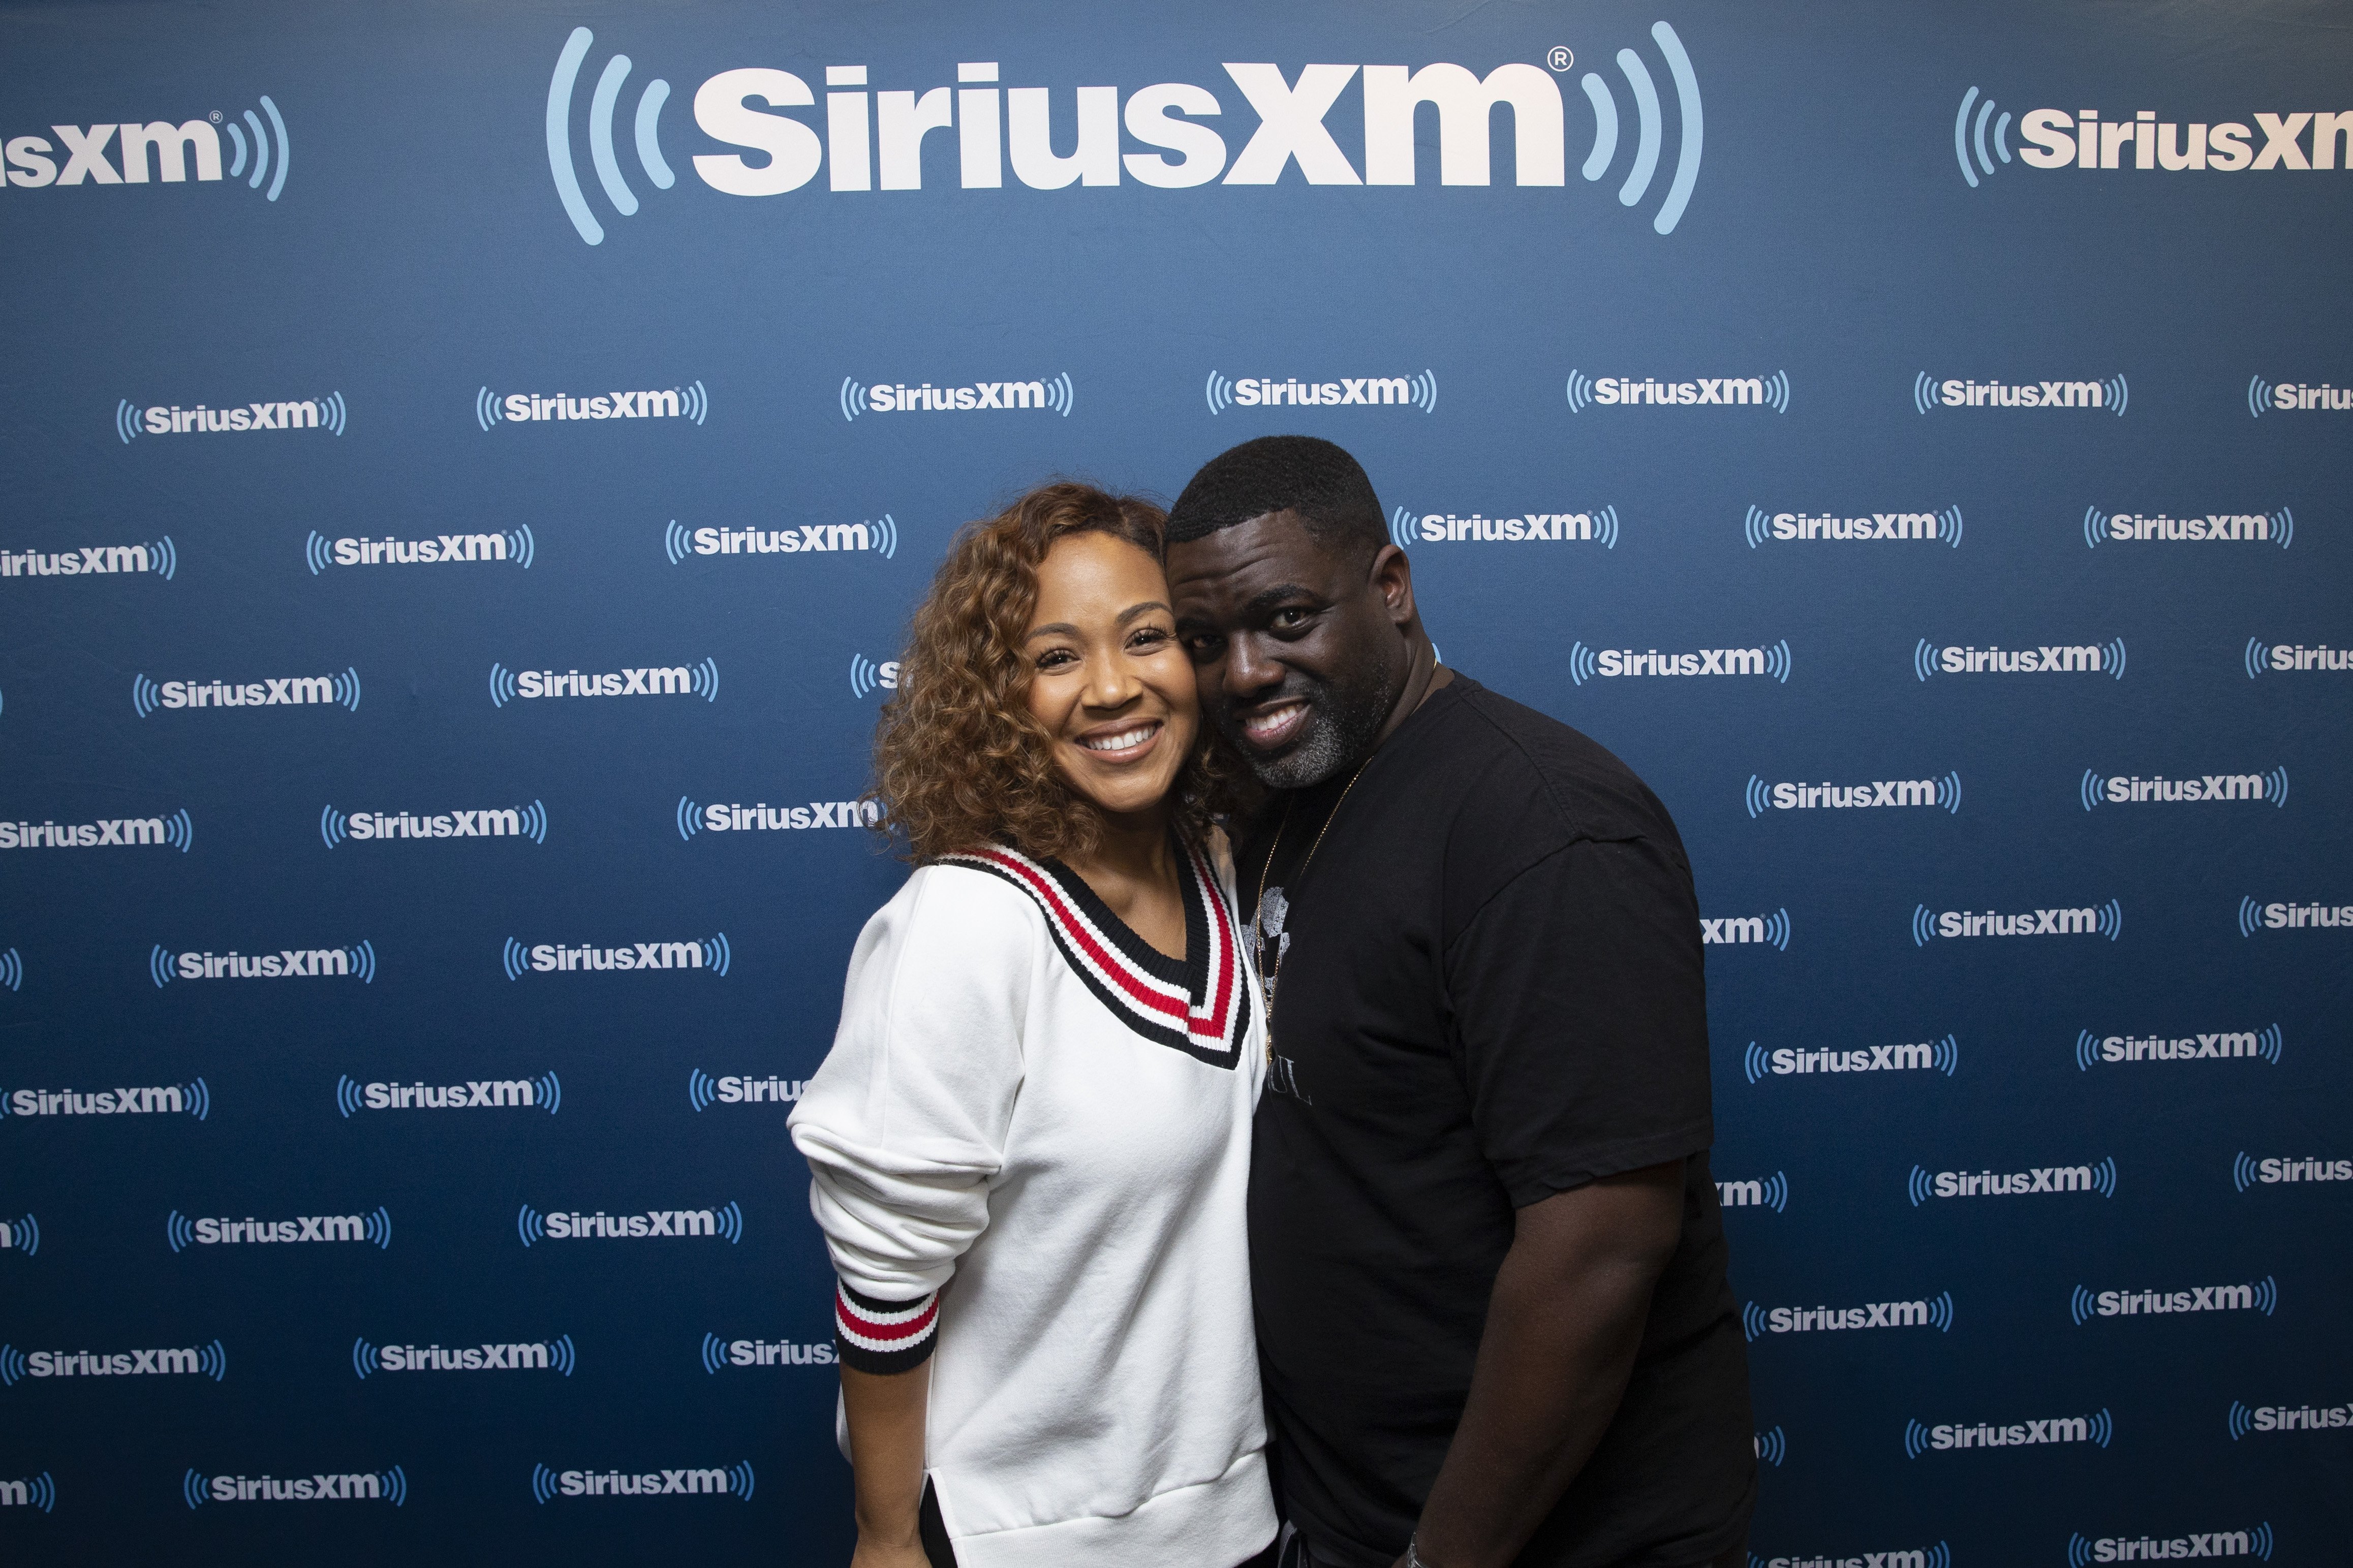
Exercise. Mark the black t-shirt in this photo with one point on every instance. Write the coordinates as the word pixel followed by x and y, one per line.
pixel 1492 992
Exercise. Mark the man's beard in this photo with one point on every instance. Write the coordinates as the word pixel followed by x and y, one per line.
pixel 1342 724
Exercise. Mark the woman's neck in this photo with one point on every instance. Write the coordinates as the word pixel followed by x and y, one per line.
pixel 1133 869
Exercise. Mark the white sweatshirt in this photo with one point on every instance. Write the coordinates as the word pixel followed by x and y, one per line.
pixel 1025 1097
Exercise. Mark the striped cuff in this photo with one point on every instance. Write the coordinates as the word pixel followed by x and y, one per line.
pixel 881 1337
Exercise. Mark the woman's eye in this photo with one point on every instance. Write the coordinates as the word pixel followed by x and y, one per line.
pixel 1054 658
pixel 1150 637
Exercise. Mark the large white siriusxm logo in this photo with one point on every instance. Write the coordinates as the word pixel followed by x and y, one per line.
pixel 545 1092
pixel 209 1360
pixel 2254 1296
pixel 2102 920
pixel 2291 397
pixel 1923 1186
pixel 2061 139
pixel 691 403
pixel 515 544
pixel 1927 527
pixel 2245 1419
pixel 2098 1428
pixel 373 1227
pixel 1419 390
pixel 1930 392
pixel 697 679
pixel 2254 916
pixel 176 831
pixel 2085 1550
pixel 1943 793
pixel 1772 930
pixel 2206 528
pixel 160 556
pixel 712 1480
pixel 710 952
pixel 1769 391
pixel 1610 663
pixel 271 691
pixel 879 148
pixel 1598 524
pixel 2046 658
pixel 718 1353
pixel 727 816
pixel 391 1486
pixel 193 1098
pixel 703 1091
pixel 38 1492
pixel 725 1223
pixel 1938 1556
pixel 1942 1055
pixel 2261 656
pixel 880 535
pixel 530 1355
pixel 157 151
pixel 357 962
pixel 2120 789
pixel 21 1234
pixel 1054 394
pixel 528 821
pixel 1935 1312
pixel 2222 1045
pixel 133 420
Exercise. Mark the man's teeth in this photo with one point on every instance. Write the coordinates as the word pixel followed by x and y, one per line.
pixel 1125 741
pixel 1266 723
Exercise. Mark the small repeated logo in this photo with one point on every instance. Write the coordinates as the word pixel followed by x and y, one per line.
pixel 704 1091
pixel 2119 789
pixel 545 1092
pixel 1595 525
pixel 712 952
pixel 1934 1313
pixel 1761 797
pixel 1937 1557
pixel 172 147
pixel 1641 392
pixel 488 822
pixel 2247 1172
pixel 1929 527
pixel 296 691
pixel 176 831
pixel 22 1234
pixel 373 1228
pixel 516 544
pixel 131 420
pixel 1055 395
pixel 12 969
pixel 734 1480
pixel 2260 655
pixel 878 535
pixel 689 403
pixel 1415 391
pixel 2288 396
pixel 2245 1419
pixel 718 1353
pixel 2223 1045
pixel 2083 1550
pixel 675 681
pixel 1772 1446
pixel 161 557
pixel 2097 1429
pixel 357 961
pixel 533 1226
pixel 1942 1056
pixel 1923 1184
pixel 2106 919
pixel 867 678
pixel 2123 527
pixel 184 1361
pixel 2254 1296
pixel 1929 393
pixel 38 1492
pixel 1589 664
pixel 532 1355
pixel 391 1486
pixel 194 1099
pixel 2051 659
pixel 726 817
pixel 1772 930
pixel 1756 1192
pixel 2254 916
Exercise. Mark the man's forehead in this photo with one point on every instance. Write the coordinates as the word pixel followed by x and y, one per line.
pixel 1271 546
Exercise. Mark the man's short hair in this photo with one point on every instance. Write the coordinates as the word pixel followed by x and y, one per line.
pixel 1319 481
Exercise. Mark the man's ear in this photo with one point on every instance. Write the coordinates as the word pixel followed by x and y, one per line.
pixel 1392 579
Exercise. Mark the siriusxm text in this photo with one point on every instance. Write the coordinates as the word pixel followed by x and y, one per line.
pixel 2300 1418
pixel 2013 1183
pixel 896 398
pixel 1444 527
pixel 202 419
pixel 778 1353
pixel 2298 917
pixel 475 1094
pixel 1894 525
pixel 1630 391
pixel 2037 923
pixel 86 559
pixel 1916 1056
pixel 287 963
pixel 1899 1559
pixel 2198 1298
pixel 733 1091
pixel 562 1226
pixel 522 407
pixel 127 830
pixel 492 822
pixel 800 539
pixel 1252 392
pixel 319 1488
pixel 2189 1047
pixel 293 688
pixel 2148 1548
pixel 652 1483
pixel 2022 395
pixel 487 1357
pixel 1828 1319
pixel 2306 1169
pixel 2218 527
pixel 727 818
pixel 2122 791
pixel 676 680
pixel 1883 792
pixel 2017 1434
pixel 174 148
pixel 149 1100
pixel 2058 140
pixel 1707 661
pixel 390 551
pixel 548 958
pixel 2290 656
pixel 118 1363
pixel 2291 398
pixel 225 1231
pixel 2049 659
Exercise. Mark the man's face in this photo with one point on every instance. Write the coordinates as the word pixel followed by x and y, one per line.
pixel 1298 653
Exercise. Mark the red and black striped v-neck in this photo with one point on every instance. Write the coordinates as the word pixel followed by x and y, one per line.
pixel 1199 1005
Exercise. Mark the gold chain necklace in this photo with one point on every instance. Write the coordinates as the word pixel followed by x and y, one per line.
pixel 1269 976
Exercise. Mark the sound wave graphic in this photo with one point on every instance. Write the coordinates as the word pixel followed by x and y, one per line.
pixel 1650 134
pixel 2258 657
pixel 1219 394
pixel 1580 389
pixel 262 163
pixel 886 536
pixel 676 542
pixel 12 1366
pixel 2259 395
pixel 715 1352
pixel 865 676
pixel 179 1231
pixel 166 557
pixel 2243 1170
pixel 700 1088
pixel 562 1355
pixel 12 969
pixel 2240 1421
pixel 530 1225
pixel 690 817
pixel 503 685
pixel 128 416
pixel 600 136
pixel 1754 1062
pixel 1582 663
pixel 706 679
pixel 1772 1446
pixel 196 1488
pixel 347 1095
pixel 716 954
pixel 364 1358
pixel 514 958
pixel 145 696
pixel 549 1091
pixel 1965 136
pixel 543 1479
pixel 23 1234
pixel 852 398
pixel 1752 1320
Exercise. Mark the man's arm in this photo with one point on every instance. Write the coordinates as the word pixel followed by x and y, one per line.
pixel 1563 1325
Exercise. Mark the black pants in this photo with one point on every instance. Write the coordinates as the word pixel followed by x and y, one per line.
pixel 933 1532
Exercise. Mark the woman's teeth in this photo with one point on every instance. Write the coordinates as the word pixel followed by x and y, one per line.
pixel 1125 741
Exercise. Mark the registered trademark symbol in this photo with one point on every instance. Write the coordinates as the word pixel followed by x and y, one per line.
pixel 216 116
pixel 1560 57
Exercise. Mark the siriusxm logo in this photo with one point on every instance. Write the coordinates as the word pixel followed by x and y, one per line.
pixel 2247 1173
pixel 2257 1045
pixel 1415 391
pixel 1942 1056
pixel 12 969
pixel 2107 919
pixel 1761 797
pixel 193 1361
pixel 162 557
pixel 1586 392
pixel 157 151
pixel 2084 1551
pixel 878 535
pixel 882 148
pixel 2255 1296
pixel 176 831
pixel 2051 658
pixel 1937 1557
pixel 516 544
pixel 2289 397
pixel 1768 1192
pixel 1927 526
pixel 703 1091
pixel 373 1228
pixel 193 1098
pixel 728 817
pixel 2097 1429
pixel 545 1092
pixel 1055 395
pixel 735 1480
pixel 1936 1313
pixel 488 822
pixel 1772 930
pixel 391 1486
pixel 357 961
pixel 1407 529
pixel 718 1353
pixel 2260 655
pixel 29 1491
pixel 22 1234
pixel 710 952
pixel 2287 1419
pixel 1929 394
pixel 866 677
pixel 675 681
pixel 343 690
pixel 2118 789
pixel 2055 139
pixel 689 403
pixel 1771 1446
pixel 725 1222
pixel 2254 916
pixel 1606 664
pixel 2101 1178
pixel 532 1355
pixel 2211 528
pixel 133 421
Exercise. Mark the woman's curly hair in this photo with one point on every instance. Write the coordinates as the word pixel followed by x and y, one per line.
pixel 958 760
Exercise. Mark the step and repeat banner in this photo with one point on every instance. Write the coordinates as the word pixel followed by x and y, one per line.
pixel 1917 441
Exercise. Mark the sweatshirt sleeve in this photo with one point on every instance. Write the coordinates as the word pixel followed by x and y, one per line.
pixel 904 1125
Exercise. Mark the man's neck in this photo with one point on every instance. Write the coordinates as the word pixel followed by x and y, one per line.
pixel 1423 675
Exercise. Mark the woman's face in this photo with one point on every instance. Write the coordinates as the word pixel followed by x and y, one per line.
pixel 1107 678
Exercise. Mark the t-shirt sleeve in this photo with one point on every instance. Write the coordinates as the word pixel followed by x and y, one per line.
pixel 904 1125
pixel 1580 1014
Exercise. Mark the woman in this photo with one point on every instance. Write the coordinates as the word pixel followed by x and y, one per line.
pixel 1030 1142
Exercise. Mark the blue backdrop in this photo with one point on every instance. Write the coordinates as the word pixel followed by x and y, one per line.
pixel 1911 439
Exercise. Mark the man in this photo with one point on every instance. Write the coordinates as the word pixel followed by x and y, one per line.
pixel 1485 1247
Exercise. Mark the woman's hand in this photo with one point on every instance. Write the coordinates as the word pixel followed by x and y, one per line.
pixel 886 1461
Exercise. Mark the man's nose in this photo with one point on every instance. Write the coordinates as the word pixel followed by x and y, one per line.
pixel 1250 668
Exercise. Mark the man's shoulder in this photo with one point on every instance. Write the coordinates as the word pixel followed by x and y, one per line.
pixel 1556 769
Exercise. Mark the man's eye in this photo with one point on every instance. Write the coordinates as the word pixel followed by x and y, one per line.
pixel 1288 620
